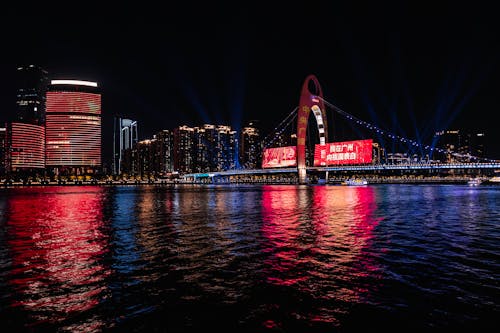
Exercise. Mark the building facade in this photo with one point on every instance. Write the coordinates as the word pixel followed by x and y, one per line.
pixel 32 83
pixel 125 136
pixel 184 156
pixel 3 149
pixel 460 146
pixel 250 146
pixel 26 144
pixel 73 127
pixel 163 151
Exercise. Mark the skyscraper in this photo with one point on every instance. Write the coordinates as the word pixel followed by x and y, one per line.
pixel 164 162
pixel 32 82
pixel 26 144
pixel 2 150
pixel 125 136
pixel 183 149
pixel 250 146
pixel 73 126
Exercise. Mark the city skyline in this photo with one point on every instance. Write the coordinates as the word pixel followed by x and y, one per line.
pixel 406 68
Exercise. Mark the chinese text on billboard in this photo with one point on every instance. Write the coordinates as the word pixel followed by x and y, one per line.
pixel 279 157
pixel 347 152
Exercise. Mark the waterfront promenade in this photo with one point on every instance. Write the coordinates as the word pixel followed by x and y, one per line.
pixel 405 179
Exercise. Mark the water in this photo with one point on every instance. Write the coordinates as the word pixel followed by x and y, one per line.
pixel 249 258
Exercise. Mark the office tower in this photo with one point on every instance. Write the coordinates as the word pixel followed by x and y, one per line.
pixel 32 82
pixel 73 126
pixel 26 144
pixel 2 151
pixel 125 136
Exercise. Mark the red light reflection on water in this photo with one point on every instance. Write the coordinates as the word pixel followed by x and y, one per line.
pixel 344 218
pixel 319 242
pixel 280 207
pixel 55 242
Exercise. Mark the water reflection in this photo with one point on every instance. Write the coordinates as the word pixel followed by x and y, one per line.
pixel 56 243
pixel 344 220
pixel 282 228
pixel 319 245
pixel 246 258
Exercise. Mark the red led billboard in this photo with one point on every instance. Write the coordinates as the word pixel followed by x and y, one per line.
pixel 27 146
pixel 73 129
pixel 279 157
pixel 347 152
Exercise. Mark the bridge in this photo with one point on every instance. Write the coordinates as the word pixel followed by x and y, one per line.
pixel 341 158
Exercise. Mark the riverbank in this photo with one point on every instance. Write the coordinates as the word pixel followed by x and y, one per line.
pixel 331 181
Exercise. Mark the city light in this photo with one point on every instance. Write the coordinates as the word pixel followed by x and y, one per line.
pixel 74 82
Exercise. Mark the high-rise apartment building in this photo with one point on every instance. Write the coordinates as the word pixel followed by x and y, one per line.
pixel 183 149
pixel 214 148
pixel 250 146
pixel 472 146
pixel 460 146
pixel 226 147
pixel 449 141
pixel 163 152
pixel 73 126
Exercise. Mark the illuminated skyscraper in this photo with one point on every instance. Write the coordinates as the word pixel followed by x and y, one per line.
pixel 449 141
pixel 461 146
pixel 226 148
pixel 73 126
pixel 183 149
pixel 472 146
pixel 250 153
pixel 163 151
pixel 26 143
pixel 125 136
pixel 214 148
pixel 2 150
pixel 32 82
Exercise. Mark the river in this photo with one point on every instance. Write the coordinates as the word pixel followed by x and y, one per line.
pixel 249 258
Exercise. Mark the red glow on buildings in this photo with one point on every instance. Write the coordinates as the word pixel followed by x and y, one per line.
pixel 73 129
pixel 346 152
pixel 27 143
pixel 279 157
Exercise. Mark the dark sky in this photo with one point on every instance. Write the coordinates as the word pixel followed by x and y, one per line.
pixel 408 67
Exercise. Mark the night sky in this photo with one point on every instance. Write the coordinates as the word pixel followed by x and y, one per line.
pixel 411 68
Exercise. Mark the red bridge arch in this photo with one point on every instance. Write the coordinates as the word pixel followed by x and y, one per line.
pixel 309 101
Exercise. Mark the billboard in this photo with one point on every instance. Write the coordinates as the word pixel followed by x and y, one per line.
pixel 279 157
pixel 346 152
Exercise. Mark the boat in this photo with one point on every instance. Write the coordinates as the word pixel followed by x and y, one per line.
pixel 474 182
pixel 355 182
pixel 495 179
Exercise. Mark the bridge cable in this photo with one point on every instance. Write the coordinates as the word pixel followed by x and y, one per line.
pixel 278 130
pixel 397 137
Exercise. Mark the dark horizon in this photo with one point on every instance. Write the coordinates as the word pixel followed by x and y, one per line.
pixel 411 69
